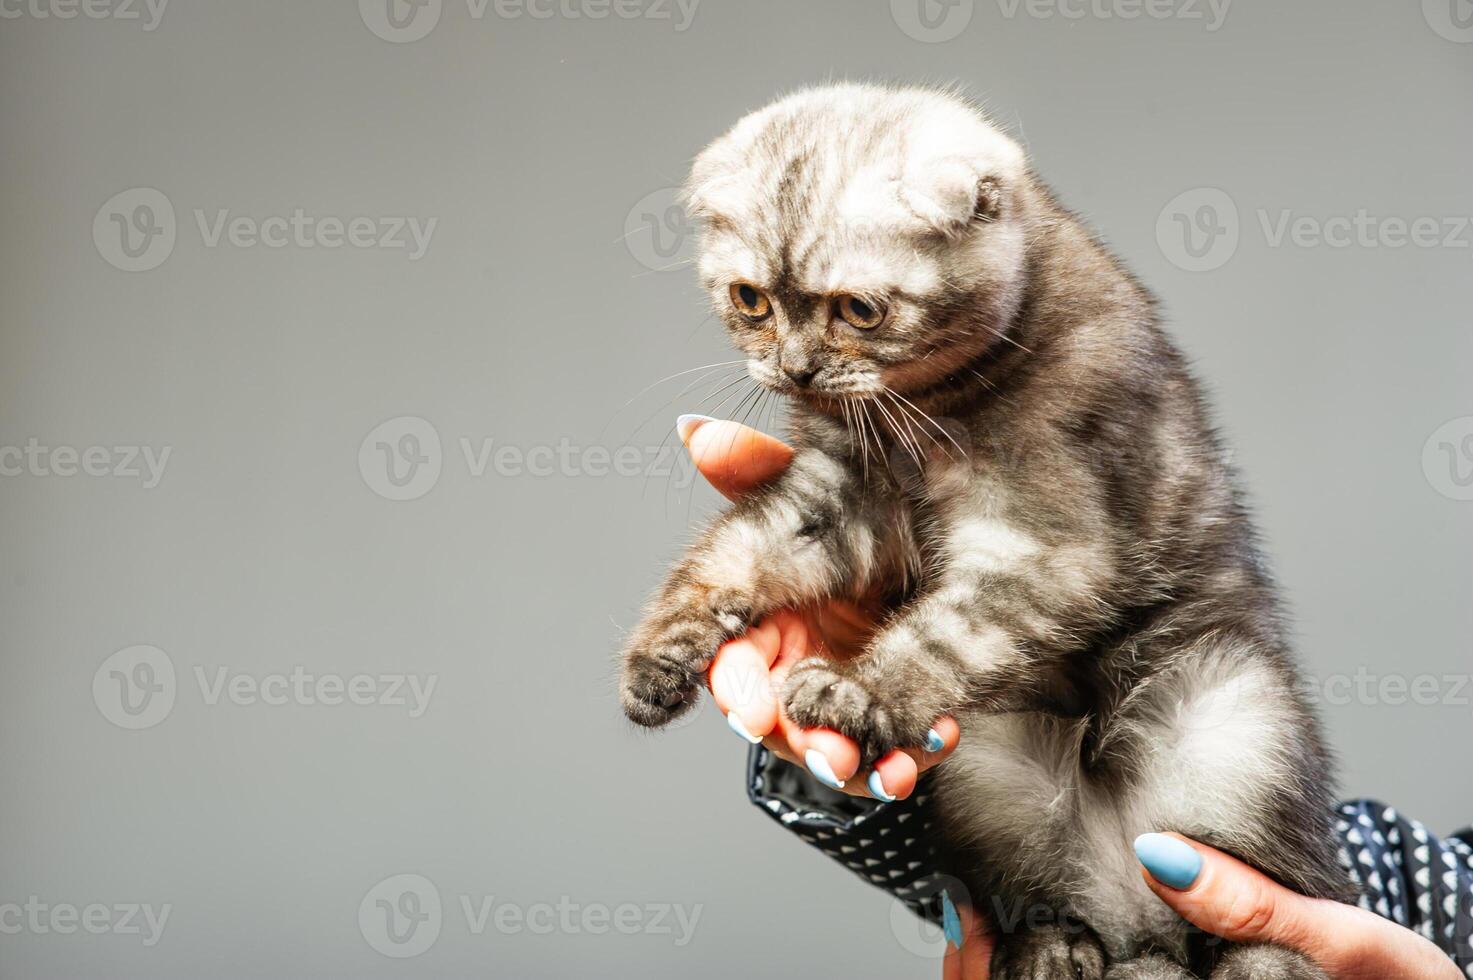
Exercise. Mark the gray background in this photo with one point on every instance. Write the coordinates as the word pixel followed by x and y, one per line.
pixel 532 319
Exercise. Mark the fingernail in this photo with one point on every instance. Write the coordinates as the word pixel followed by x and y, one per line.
pixel 1170 861
pixel 934 741
pixel 687 424
pixel 951 923
pixel 735 724
pixel 818 764
pixel 877 788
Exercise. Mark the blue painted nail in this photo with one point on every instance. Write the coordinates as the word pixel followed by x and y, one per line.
pixel 818 764
pixel 1170 862
pixel 951 923
pixel 686 424
pixel 735 724
pixel 934 741
pixel 877 788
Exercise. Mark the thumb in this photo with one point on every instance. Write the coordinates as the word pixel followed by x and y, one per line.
pixel 1222 895
pixel 733 457
pixel 1225 897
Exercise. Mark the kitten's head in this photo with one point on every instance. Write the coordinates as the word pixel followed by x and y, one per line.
pixel 859 237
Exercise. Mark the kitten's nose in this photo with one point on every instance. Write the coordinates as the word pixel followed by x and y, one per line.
pixel 801 374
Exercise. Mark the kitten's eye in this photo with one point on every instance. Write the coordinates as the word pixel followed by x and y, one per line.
pixel 750 301
pixel 857 313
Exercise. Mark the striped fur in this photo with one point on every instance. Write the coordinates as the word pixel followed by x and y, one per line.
pixel 1019 464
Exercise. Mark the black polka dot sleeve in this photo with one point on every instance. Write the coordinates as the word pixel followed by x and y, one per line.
pixel 1404 872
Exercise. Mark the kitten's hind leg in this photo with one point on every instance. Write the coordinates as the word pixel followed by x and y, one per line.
pixel 1050 952
pixel 1153 967
pixel 1265 963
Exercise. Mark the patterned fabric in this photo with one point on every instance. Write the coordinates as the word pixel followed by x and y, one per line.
pixel 1409 876
pixel 1404 873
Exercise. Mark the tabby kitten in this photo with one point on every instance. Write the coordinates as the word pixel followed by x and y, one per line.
pixel 993 432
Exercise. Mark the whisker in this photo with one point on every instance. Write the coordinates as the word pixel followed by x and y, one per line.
pixel 895 431
pixel 928 418
pixel 990 386
pixel 666 403
pixel 661 448
pixel 922 430
pixel 664 268
pixel 678 374
pixel 712 411
pixel 910 433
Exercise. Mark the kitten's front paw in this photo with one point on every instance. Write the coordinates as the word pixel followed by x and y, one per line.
pixel 667 655
pixel 822 694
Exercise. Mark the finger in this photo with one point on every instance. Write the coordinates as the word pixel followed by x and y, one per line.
pixel 970 959
pixel 894 777
pixel 830 757
pixel 739 682
pixel 976 951
pixel 948 734
pixel 951 965
pixel 1221 894
pixel 796 640
pixel 731 456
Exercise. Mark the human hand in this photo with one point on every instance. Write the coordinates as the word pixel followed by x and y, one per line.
pixel 1225 897
pixel 746 673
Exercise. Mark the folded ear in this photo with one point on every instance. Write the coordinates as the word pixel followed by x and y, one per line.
pixel 950 195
